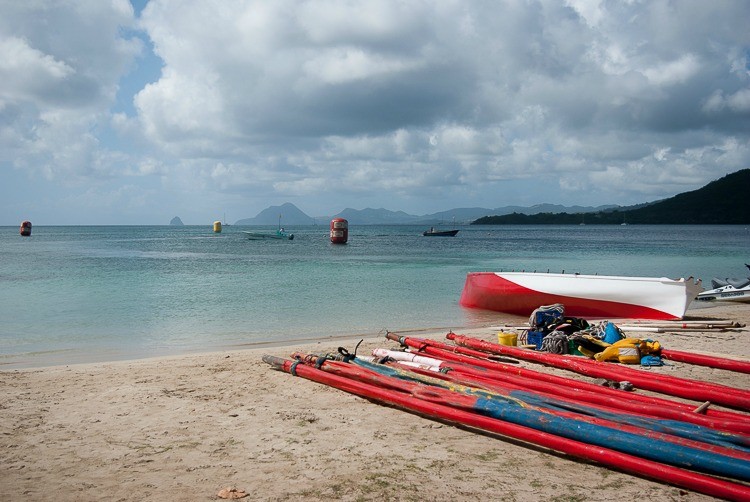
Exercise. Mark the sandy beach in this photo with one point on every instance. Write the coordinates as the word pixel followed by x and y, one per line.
pixel 183 428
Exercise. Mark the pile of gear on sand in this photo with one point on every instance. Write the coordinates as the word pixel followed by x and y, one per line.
pixel 552 331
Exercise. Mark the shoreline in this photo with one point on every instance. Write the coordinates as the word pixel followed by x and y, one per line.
pixel 33 360
pixel 185 426
pixel 54 358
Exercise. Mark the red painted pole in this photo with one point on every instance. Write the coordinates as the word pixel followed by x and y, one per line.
pixel 611 458
pixel 508 389
pixel 493 379
pixel 732 421
pixel 665 384
pixel 464 396
pixel 706 360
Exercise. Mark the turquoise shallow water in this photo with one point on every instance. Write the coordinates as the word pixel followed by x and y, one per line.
pixel 84 294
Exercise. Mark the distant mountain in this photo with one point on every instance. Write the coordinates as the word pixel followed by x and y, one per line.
pixel 724 201
pixel 469 214
pixel 376 217
pixel 458 215
pixel 176 221
pixel 290 215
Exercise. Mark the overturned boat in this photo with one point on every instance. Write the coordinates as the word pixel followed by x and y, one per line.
pixel 589 296
pixel 731 290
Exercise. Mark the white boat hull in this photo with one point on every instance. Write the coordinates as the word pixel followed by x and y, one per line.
pixel 588 296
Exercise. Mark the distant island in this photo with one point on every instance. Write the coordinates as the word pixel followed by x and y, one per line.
pixel 176 221
pixel 721 202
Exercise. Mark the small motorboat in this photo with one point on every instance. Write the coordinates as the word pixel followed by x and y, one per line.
pixel 279 234
pixel 588 296
pixel 439 233
pixel 729 290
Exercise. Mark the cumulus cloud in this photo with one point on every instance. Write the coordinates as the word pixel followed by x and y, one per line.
pixel 611 101
pixel 737 102
pixel 28 73
pixel 60 67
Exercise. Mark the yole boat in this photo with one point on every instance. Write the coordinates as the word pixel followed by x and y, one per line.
pixel 588 296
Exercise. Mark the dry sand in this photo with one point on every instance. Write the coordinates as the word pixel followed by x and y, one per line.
pixel 183 428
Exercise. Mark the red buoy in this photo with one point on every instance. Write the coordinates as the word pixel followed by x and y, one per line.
pixel 26 228
pixel 339 231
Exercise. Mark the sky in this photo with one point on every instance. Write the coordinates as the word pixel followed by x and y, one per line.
pixel 117 112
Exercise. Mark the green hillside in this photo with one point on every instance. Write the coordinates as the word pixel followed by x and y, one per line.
pixel 724 201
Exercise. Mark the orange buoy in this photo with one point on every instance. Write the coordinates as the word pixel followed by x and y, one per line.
pixel 339 231
pixel 25 228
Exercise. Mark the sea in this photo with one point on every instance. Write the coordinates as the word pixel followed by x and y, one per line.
pixel 82 294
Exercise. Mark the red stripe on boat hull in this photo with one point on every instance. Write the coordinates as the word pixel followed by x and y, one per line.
pixel 492 292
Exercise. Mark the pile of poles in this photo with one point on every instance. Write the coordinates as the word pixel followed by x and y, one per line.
pixel 475 383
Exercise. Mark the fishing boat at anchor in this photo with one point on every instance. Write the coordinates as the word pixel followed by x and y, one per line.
pixel 432 232
pixel 588 296
pixel 439 233
pixel 279 234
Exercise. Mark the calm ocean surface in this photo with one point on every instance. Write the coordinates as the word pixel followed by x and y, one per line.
pixel 86 294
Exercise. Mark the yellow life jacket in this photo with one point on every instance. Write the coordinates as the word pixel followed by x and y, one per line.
pixel 624 351
pixel 650 347
pixel 627 350
pixel 590 345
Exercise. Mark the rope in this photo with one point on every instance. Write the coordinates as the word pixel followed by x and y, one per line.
pixel 523 337
pixel 555 343
pixel 347 356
